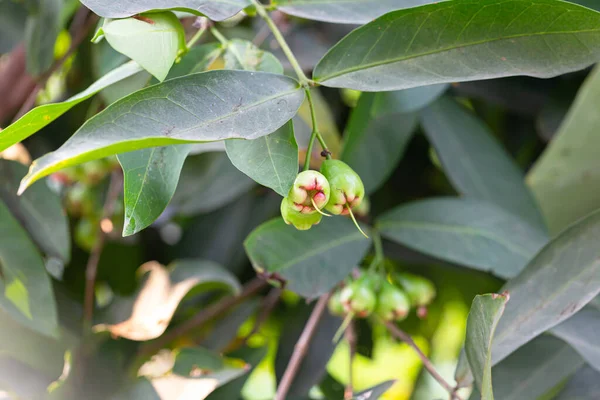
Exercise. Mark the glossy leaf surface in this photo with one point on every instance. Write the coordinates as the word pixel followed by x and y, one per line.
pixel 208 106
pixel 312 261
pixel 463 40
pixel 271 160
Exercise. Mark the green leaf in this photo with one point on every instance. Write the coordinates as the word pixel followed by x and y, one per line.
pixel 581 332
pixel 216 10
pixel 41 31
pixel 409 100
pixel 242 54
pixel 43 115
pixel 39 211
pixel 344 11
pixel 375 392
pixel 585 385
pixel 271 160
pixel 25 288
pixel 562 278
pixel 147 314
pixel 375 139
pixel 151 175
pixel 152 40
pixel 475 162
pixel 12 24
pixel 198 59
pixel 463 40
pixel 312 261
pixel 208 181
pixel 150 180
pixel 565 177
pixel 483 319
pixel 191 358
pixel 208 106
pixel 466 232
pixel 140 389
pixel 534 369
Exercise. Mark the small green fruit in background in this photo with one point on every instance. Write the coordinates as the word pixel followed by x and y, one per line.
pixel 421 291
pixel 359 298
pixel 347 189
pixel 86 233
pixel 310 192
pixel 336 307
pixel 80 200
pixel 300 221
pixel 392 303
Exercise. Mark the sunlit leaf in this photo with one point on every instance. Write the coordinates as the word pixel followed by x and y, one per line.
pixel 152 40
pixel 43 115
pixel 207 106
pixel 566 177
pixel 463 40
pixel 25 289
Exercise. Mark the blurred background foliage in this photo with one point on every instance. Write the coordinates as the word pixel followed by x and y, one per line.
pixel 215 207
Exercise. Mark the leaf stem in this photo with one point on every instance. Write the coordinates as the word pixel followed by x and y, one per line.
pixel 351 338
pixel 260 9
pixel 196 37
pixel 301 348
pixel 315 133
pixel 405 337
pixel 222 39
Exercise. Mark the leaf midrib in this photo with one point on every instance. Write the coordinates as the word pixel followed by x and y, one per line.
pixel 443 50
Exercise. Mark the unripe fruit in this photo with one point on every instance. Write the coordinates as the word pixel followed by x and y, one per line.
pixel 310 190
pixel 347 189
pixel 300 221
pixel 359 298
pixel 335 304
pixel 421 291
pixel 392 303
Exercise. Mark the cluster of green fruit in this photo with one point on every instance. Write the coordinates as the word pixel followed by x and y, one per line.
pixel 372 294
pixel 336 189
pixel 84 188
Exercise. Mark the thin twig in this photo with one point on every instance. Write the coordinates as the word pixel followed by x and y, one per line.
pixel 351 338
pixel 214 310
pixel 405 337
pixel 301 348
pixel 80 34
pixel 91 269
pixel 268 305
